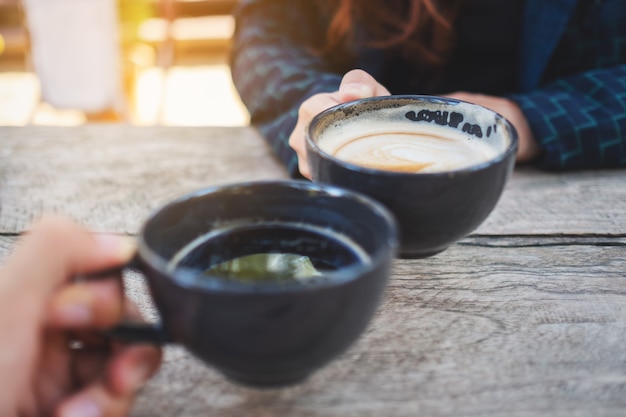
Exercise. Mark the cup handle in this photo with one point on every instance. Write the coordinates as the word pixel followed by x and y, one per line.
pixel 134 332
pixel 129 332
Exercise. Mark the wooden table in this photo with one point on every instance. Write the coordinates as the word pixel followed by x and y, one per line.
pixel 526 317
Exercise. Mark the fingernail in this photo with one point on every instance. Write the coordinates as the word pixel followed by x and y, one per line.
pixel 82 408
pixel 357 89
pixel 73 313
pixel 123 246
pixel 72 306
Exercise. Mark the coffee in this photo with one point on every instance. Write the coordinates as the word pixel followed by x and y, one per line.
pixel 438 164
pixel 402 147
pixel 268 252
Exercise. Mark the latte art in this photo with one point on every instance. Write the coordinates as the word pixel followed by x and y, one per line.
pixel 409 152
pixel 439 165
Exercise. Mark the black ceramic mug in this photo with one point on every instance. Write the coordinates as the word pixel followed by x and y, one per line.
pixel 440 165
pixel 264 333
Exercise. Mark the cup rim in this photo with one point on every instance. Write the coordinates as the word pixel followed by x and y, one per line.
pixel 511 148
pixel 187 278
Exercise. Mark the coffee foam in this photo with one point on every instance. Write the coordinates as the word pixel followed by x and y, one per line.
pixel 403 146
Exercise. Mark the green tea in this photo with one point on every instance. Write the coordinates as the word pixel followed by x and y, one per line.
pixel 265 252
pixel 265 267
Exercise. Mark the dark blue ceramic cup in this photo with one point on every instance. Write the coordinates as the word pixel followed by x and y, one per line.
pixel 435 200
pixel 268 333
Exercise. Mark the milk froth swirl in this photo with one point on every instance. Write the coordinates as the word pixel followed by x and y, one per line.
pixel 410 152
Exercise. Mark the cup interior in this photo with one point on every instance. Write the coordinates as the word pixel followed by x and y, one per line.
pixel 438 164
pixel 487 133
pixel 343 231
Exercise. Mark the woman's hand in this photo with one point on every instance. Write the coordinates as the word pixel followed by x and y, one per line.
pixel 53 358
pixel 355 85
pixel 528 148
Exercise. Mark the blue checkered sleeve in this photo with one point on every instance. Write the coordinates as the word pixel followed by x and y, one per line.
pixel 274 71
pixel 580 121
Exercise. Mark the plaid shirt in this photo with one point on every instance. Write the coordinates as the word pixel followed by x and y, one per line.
pixel 572 75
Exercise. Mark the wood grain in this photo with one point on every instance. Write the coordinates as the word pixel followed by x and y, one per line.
pixel 536 330
pixel 579 202
pixel 473 331
pixel 110 177
pixel 525 317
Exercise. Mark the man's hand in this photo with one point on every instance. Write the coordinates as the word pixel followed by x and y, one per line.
pixel 53 357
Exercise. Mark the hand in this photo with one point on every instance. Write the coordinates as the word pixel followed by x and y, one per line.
pixel 355 85
pixel 528 148
pixel 42 310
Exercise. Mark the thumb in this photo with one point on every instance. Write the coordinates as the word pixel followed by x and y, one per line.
pixel 56 249
pixel 357 84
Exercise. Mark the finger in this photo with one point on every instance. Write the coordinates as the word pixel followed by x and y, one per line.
pixel 358 84
pixel 457 95
pixel 95 401
pixel 297 141
pixel 308 109
pixel 113 395
pixel 89 364
pixel 463 96
pixel 127 368
pixel 87 339
pixel 92 304
pixel 56 249
pixel 92 349
pixel 131 367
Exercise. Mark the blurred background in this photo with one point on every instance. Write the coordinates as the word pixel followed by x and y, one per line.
pixel 143 62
